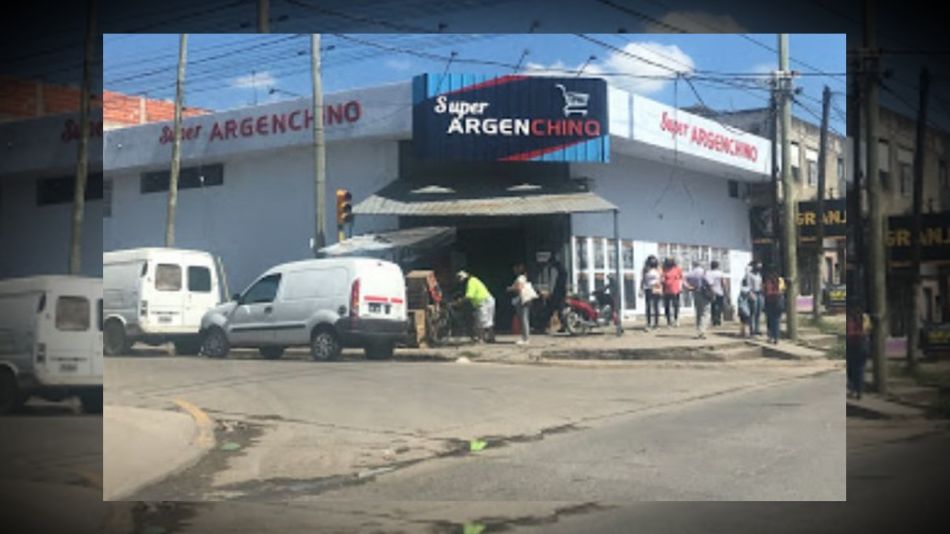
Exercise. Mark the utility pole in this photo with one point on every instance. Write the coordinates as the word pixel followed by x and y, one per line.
pixel 820 230
pixel 788 189
pixel 319 148
pixel 878 300
pixel 176 143
pixel 263 13
pixel 82 160
pixel 913 327
pixel 856 221
pixel 776 214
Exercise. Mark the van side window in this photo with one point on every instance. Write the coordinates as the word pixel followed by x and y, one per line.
pixel 72 314
pixel 263 291
pixel 99 309
pixel 168 277
pixel 199 279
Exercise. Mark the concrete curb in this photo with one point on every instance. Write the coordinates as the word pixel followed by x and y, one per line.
pixel 202 438
pixel 205 435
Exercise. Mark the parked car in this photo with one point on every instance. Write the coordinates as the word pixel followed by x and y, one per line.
pixel 51 340
pixel 326 304
pixel 157 295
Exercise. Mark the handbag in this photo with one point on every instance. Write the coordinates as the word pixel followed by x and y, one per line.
pixel 528 293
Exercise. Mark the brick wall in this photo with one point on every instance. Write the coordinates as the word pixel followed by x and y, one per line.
pixel 21 99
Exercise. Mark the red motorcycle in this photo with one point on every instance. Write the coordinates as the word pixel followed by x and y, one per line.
pixel 580 317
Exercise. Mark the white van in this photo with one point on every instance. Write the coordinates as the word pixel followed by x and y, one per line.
pixel 327 304
pixel 51 340
pixel 157 295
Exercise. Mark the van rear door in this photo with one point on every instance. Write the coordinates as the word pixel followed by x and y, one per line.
pixel 66 341
pixel 382 291
pixel 166 291
pixel 201 287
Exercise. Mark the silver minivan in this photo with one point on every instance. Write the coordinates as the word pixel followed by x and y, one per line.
pixel 326 304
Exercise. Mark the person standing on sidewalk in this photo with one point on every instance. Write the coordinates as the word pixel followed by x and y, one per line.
pixel 753 278
pixel 716 279
pixel 524 294
pixel 672 286
pixel 743 306
pixel 857 348
pixel 652 291
pixel 698 286
pixel 772 290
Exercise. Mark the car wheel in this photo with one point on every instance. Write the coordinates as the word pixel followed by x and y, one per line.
pixel 91 401
pixel 272 353
pixel 11 399
pixel 324 345
pixel 379 351
pixel 188 347
pixel 115 341
pixel 215 343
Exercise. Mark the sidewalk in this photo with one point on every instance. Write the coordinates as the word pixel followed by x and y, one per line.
pixel 141 447
pixel 679 343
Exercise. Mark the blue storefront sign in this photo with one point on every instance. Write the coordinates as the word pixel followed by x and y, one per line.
pixel 464 117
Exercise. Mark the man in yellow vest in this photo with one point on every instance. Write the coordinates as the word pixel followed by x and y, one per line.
pixel 483 303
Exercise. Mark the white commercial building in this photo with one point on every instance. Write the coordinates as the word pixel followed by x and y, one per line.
pixel 246 193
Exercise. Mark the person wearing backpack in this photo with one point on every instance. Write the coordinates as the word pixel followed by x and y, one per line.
pixel 772 290
pixel 697 283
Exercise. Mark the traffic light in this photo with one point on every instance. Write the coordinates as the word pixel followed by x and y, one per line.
pixel 344 209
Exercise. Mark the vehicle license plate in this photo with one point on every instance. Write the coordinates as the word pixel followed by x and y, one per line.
pixel 67 367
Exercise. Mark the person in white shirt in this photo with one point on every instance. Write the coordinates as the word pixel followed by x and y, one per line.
pixel 652 290
pixel 717 279
pixel 524 294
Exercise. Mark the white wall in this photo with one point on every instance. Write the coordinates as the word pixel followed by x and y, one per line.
pixel 661 204
pixel 262 215
pixel 35 239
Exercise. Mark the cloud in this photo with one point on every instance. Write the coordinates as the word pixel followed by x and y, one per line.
pixel 647 64
pixel 399 64
pixel 696 22
pixel 258 80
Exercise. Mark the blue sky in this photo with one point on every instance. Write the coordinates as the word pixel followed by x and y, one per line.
pixel 232 71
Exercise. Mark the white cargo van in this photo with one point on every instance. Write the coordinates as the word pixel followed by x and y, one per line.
pixel 157 295
pixel 326 304
pixel 51 340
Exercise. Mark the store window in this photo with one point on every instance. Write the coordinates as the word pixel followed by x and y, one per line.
pixel 811 156
pixel 596 264
pixel 687 255
pixel 61 190
pixel 884 163
pixel 188 178
pixel 905 161
pixel 794 156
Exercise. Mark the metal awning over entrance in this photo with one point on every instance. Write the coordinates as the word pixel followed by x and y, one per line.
pixel 482 198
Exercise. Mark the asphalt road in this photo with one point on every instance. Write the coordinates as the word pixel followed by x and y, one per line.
pixel 785 442
pixel 896 478
pixel 301 430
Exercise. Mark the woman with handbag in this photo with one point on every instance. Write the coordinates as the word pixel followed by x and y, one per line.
pixel 524 295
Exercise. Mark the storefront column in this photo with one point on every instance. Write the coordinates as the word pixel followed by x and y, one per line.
pixel 618 282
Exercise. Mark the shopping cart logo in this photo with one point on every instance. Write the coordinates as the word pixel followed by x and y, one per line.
pixel 574 103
